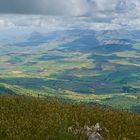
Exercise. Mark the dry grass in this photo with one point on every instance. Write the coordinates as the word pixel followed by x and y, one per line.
pixel 25 118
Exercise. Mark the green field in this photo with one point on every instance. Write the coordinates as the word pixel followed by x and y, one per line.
pixel 75 67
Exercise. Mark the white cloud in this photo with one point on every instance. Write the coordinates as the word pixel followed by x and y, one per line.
pixel 106 5
pixel 116 8
pixel 6 24
pixel 50 23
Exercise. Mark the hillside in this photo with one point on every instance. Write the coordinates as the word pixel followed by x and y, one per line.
pixel 28 118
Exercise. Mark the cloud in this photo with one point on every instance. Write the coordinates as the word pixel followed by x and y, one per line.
pixel 115 8
pixel 47 7
pixel 94 8
pixel 41 21
pixel 61 14
pixel 51 23
pixel 6 24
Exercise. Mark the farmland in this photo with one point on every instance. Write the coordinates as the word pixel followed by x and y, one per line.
pixel 82 66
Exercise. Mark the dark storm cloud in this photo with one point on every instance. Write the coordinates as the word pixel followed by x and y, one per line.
pixel 48 7
pixel 96 8
pixel 19 6
pixel 95 14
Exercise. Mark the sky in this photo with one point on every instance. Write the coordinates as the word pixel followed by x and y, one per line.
pixel 52 14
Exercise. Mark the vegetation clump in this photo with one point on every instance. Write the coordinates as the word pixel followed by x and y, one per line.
pixel 28 118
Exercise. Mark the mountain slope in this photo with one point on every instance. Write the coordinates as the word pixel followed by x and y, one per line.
pixel 40 119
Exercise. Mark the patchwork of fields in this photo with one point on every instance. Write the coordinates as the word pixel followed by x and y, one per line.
pixel 79 65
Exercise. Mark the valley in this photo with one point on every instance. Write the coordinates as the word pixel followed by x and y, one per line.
pixel 82 66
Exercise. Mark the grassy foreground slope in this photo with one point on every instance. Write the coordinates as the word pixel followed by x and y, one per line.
pixel 27 118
